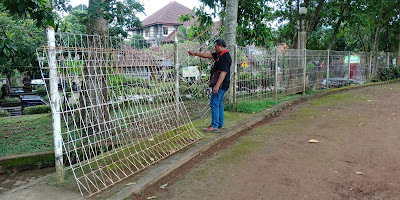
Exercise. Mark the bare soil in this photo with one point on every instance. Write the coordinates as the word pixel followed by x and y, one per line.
pixel 357 156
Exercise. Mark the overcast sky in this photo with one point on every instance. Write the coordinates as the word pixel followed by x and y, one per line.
pixel 150 6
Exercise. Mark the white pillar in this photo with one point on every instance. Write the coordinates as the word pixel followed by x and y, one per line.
pixel 55 105
pixel 348 77
pixel 276 74
pixel 176 65
pixel 327 72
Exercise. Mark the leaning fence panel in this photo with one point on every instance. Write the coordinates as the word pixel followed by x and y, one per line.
pixel 118 108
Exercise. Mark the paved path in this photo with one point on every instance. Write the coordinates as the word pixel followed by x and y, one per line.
pixel 357 157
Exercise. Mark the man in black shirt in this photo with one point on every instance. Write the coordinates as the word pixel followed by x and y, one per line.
pixel 222 64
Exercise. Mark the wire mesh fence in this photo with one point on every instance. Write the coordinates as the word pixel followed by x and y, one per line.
pixel 126 104
pixel 268 74
pixel 118 105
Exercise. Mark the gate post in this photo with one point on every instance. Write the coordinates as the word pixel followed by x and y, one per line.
pixel 55 105
pixel 327 73
pixel 176 65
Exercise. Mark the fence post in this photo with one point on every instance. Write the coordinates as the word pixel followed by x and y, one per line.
pixel 370 66
pixel 234 78
pixel 388 60
pixel 176 65
pixel 348 77
pixel 304 70
pixel 327 72
pixel 276 75
pixel 55 105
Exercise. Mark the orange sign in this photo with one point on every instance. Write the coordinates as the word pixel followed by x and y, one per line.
pixel 244 64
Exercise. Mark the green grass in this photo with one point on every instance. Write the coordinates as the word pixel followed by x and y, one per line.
pixel 25 134
pixel 257 106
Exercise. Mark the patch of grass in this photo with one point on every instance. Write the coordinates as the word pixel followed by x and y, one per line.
pixel 257 106
pixel 25 134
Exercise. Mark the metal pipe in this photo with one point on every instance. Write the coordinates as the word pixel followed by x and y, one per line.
pixel 55 106
pixel 327 72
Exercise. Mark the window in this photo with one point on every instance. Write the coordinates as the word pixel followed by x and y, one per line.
pixel 147 33
pixel 165 30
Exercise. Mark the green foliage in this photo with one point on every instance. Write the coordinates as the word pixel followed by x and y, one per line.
pixel 10 102
pixel 18 43
pixel 138 42
pixel 37 110
pixel 41 91
pixel 75 21
pixel 39 10
pixel 4 113
pixel 385 74
pixel 121 15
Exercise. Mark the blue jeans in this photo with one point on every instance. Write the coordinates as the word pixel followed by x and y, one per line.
pixel 217 109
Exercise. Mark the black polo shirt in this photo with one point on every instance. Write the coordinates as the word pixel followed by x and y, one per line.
pixel 223 63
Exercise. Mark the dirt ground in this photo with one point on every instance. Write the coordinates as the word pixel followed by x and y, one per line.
pixel 357 156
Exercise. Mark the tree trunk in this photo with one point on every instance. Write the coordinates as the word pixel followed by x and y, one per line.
pixel 376 44
pixel 94 85
pixel 336 30
pixel 315 18
pixel 230 33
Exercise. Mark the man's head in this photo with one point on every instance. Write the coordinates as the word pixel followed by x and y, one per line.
pixel 220 45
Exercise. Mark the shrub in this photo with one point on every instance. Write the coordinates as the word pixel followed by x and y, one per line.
pixel 40 91
pixel 10 102
pixel 385 74
pixel 37 109
pixel 4 113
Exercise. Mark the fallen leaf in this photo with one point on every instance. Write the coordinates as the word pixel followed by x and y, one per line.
pixel 163 186
pixel 359 173
pixel 313 141
pixel 153 197
pixel 268 105
pixel 131 183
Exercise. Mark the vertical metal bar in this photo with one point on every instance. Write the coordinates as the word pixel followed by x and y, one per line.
pixel 234 78
pixel 304 71
pixel 276 75
pixel 388 60
pixel 370 66
pixel 327 71
pixel 55 105
pixel 176 65
pixel 348 77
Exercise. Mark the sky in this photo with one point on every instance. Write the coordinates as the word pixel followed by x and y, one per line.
pixel 150 6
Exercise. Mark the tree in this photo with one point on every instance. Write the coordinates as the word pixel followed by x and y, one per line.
pixel 19 40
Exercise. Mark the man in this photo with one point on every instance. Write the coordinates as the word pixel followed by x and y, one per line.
pixel 222 64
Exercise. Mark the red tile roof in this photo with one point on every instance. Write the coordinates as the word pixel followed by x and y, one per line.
pixel 169 14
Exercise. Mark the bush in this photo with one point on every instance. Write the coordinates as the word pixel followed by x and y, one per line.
pixel 10 102
pixel 37 110
pixel 40 91
pixel 4 113
pixel 385 74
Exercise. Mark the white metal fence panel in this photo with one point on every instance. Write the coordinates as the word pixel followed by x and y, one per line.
pixel 119 110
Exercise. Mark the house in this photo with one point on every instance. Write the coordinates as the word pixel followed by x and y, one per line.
pixel 163 24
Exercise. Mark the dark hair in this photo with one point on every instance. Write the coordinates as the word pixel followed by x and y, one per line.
pixel 220 42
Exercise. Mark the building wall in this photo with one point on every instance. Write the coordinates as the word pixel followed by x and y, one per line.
pixel 155 31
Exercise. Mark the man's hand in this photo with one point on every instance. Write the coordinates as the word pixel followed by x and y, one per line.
pixel 215 89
